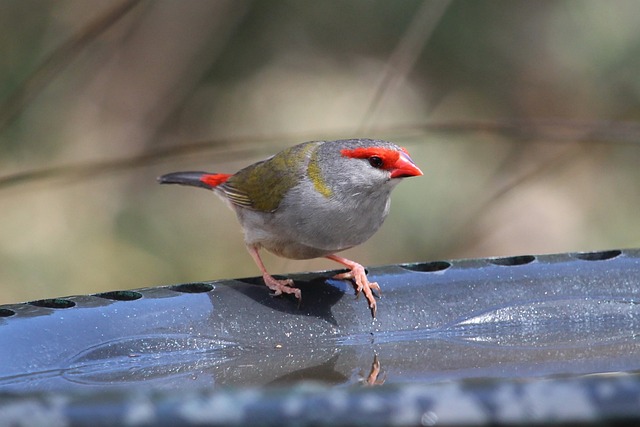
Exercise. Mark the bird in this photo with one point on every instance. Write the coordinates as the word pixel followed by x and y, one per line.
pixel 312 200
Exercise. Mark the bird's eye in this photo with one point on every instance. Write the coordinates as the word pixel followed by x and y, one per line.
pixel 375 161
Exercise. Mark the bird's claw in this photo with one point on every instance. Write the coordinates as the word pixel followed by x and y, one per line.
pixel 362 284
pixel 280 287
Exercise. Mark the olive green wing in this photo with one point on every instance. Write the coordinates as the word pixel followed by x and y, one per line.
pixel 262 186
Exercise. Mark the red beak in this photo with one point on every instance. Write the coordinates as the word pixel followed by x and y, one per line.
pixel 404 167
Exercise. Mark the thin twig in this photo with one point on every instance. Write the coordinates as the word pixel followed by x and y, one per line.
pixel 545 130
pixel 58 60
pixel 404 56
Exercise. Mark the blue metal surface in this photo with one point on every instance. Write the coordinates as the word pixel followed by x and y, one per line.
pixel 465 327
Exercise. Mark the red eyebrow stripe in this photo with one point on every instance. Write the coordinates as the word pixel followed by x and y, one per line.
pixel 389 157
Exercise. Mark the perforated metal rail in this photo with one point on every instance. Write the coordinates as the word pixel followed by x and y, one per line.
pixel 549 338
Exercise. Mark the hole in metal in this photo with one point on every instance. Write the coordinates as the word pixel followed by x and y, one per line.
pixel 5 312
pixel 53 303
pixel 120 295
pixel 193 288
pixel 597 256
pixel 513 260
pixel 428 267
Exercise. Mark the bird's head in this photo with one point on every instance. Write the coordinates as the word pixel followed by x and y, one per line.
pixel 361 165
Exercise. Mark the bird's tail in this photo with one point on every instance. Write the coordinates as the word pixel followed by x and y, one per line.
pixel 195 179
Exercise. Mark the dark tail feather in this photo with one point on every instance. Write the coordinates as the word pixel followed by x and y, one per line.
pixel 194 179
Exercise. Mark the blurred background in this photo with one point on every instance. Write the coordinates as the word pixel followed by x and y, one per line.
pixel 523 116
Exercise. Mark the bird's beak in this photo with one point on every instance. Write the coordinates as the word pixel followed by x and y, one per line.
pixel 404 167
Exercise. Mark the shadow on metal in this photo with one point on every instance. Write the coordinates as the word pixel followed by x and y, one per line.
pixel 470 328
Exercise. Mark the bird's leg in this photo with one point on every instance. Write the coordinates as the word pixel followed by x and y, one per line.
pixel 358 275
pixel 277 286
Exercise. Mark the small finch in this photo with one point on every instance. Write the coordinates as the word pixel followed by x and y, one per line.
pixel 312 200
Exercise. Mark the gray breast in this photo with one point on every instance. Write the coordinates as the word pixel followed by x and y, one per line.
pixel 330 224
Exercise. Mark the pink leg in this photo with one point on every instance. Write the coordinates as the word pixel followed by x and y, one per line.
pixel 359 277
pixel 277 286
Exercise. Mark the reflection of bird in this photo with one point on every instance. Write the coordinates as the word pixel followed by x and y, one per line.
pixel 312 200
pixel 373 378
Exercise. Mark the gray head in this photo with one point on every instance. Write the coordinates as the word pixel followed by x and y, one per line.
pixel 352 166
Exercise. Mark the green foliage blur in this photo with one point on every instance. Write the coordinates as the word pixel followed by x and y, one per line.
pixel 523 116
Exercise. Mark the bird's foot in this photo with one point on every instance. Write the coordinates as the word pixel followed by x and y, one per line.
pixel 280 287
pixel 361 283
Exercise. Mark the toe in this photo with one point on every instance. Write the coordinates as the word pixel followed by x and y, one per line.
pixel 373 306
pixel 343 276
pixel 376 287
